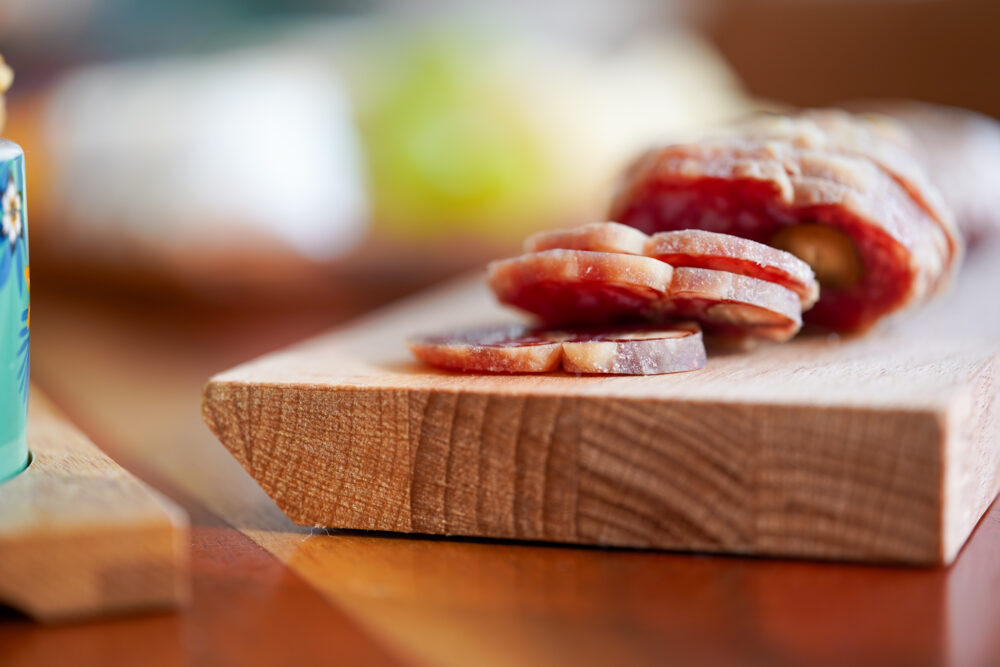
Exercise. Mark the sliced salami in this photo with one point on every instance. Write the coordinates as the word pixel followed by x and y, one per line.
pixel 518 349
pixel 639 352
pixel 874 249
pixel 596 236
pixel 725 252
pixel 579 287
pixel 734 304
pixel 499 349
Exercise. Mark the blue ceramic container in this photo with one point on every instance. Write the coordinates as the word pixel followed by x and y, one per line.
pixel 15 315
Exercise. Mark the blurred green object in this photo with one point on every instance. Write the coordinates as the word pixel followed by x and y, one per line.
pixel 472 128
pixel 446 147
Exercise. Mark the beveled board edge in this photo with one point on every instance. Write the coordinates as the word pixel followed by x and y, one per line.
pixel 841 483
pixel 972 475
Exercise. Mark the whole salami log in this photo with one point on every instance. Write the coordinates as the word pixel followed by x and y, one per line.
pixel 517 349
pixel 874 248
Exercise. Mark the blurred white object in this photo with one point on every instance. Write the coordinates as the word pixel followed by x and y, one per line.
pixel 215 154
pixel 456 130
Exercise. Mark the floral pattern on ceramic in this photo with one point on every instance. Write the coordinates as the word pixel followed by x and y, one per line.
pixel 15 312
pixel 12 205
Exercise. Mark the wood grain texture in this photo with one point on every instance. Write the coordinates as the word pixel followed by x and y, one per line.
pixel 882 448
pixel 79 536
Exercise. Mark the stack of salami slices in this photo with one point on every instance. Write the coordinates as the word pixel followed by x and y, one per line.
pixel 612 299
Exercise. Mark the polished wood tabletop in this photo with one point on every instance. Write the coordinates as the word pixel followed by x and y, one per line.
pixel 129 371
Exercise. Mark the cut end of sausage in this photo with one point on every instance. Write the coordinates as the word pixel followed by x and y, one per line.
pixel 577 287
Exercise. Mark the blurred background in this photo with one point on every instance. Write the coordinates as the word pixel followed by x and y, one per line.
pixel 261 148
pixel 211 180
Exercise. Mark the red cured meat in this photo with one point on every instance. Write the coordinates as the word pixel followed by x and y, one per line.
pixel 501 349
pixel 694 248
pixel 725 252
pixel 881 139
pixel 518 349
pixel 577 287
pixel 639 352
pixel 734 304
pixel 754 189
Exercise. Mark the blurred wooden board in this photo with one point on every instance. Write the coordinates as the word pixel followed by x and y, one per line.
pixel 80 536
pixel 883 448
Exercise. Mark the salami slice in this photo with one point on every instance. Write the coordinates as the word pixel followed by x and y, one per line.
pixel 499 349
pixel 518 349
pixel 578 287
pixel 734 304
pixel 724 252
pixel 873 248
pixel 596 236
pixel 639 352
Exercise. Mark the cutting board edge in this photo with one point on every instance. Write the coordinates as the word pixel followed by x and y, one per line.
pixel 932 422
pixel 972 454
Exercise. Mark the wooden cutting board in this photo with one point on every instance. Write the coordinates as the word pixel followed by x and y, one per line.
pixel 881 448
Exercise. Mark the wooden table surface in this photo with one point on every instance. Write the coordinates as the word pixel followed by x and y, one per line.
pixel 129 371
